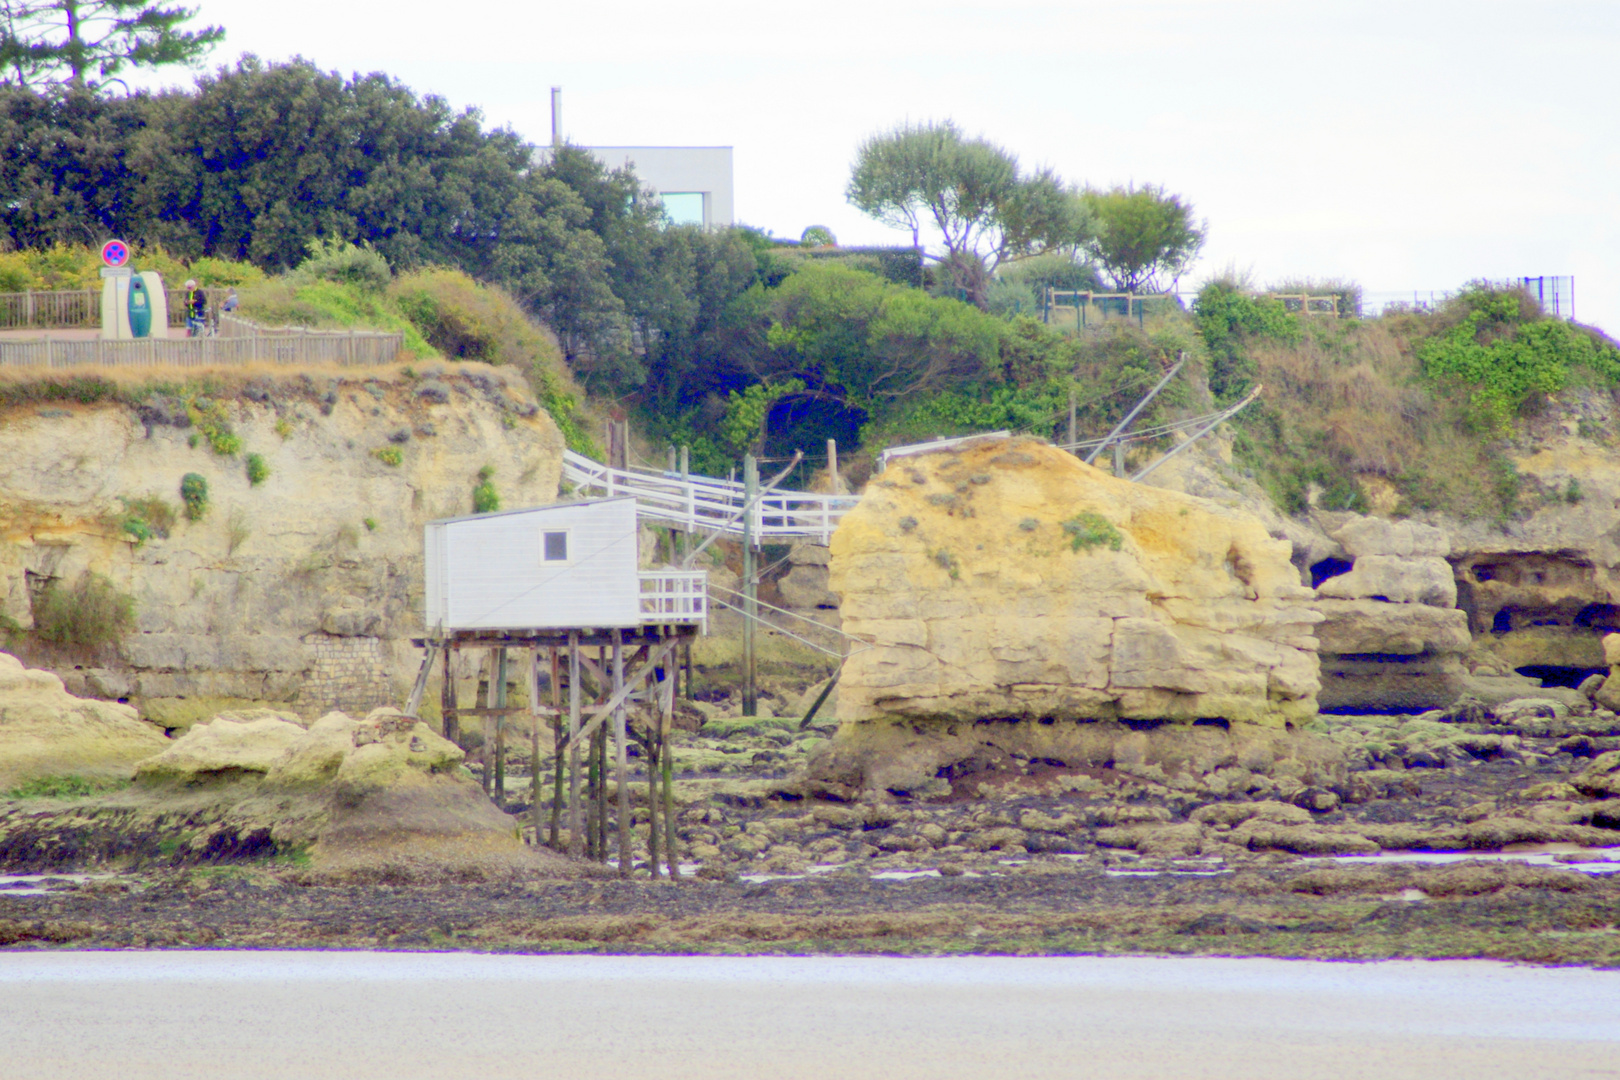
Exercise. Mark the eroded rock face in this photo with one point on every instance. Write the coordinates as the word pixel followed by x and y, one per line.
pixel 46 732
pixel 301 589
pixel 1006 579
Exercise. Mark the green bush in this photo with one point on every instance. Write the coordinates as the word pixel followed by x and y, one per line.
pixel 345 263
pixel 1087 530
pixel 389 455
pixel 146 517
pixel 258 469
pixel 213 421
pixel 194 494
pixel 1228 319
pixel 486 500
pixel 1503 354
pixel 90 614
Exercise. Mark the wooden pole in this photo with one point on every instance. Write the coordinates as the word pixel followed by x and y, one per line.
pixel 534 745
pixel 832 467
pixel 451 725
pixel 621 763
pixel 556 751
pixel 601 794
pixel 500 727
pixel 653 751
pixel 488 696
pixel 666 758
pixel 686 652
pixel 576 832
pixel 750 698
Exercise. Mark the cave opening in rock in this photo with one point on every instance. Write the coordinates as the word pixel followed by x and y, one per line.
pixel 1555 675
pixel 1502 621
pixel 1329 567
pixel 1604 617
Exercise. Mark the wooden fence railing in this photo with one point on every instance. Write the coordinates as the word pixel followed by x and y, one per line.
pixel 238 341
pixel 67 309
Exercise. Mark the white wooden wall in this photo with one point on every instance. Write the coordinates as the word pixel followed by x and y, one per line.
pixel 485 572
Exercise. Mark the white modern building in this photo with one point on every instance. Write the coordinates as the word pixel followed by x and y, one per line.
pixel 694 182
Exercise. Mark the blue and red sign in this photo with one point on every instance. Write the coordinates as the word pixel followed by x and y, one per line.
pixel 115 253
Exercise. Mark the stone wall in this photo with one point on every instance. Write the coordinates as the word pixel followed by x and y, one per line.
pixel 351 674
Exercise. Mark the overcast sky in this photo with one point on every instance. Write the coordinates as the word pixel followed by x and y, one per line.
pixel 1406 145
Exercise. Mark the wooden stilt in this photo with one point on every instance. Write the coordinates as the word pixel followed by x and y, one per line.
pixel 556 751
pixel 666 758
pixel 620 764
pixel 534 745
pixel 576 832
pixel 451 725
pixel 489 681
pixel 500 727
pixel 652 801
pixel 601 803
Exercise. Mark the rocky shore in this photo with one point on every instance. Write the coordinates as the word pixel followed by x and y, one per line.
pixel 1270 854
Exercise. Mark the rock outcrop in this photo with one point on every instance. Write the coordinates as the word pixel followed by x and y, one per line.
pixel 1006 579
pixel 383 798
pixel 1392 638
pixel 301 588
pixel 47 733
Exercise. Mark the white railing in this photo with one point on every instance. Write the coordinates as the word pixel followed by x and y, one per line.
pixel 674 596
pixel 704 504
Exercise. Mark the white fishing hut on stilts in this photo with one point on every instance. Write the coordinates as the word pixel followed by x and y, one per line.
pixel 562 582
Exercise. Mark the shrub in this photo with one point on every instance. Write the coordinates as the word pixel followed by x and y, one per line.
pixel 389 455
pixel 213 421
pixel 1087 530
pixel 343 262
pixel 90 614
pixel 146 517
pixel 194 493
pixel 258 470
pixel 1503 354
pixel 486 499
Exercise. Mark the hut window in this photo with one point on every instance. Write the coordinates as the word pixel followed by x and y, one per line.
pixel 554 546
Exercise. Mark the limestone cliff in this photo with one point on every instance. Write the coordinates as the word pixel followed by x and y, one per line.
pixel 1007 579
pixel 301 587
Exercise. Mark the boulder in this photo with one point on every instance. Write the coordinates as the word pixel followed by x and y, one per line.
pixel 46 732
pixel 1379 536
pixel 1365 626
pixel 222 749
pixel 1396 579
pixel 1005 578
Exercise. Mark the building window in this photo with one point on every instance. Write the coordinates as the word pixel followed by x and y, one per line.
pixel 683 207
pixel 554 546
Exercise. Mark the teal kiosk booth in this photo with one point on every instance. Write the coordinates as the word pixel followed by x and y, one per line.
pixel 140 308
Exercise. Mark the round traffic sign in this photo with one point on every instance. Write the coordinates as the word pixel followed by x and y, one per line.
pixel 115 253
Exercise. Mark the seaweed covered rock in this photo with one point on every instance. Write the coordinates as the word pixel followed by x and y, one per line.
pixel 379 798
pixel 47 732
pixel 1006 579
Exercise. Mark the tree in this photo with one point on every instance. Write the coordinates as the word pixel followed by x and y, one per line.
pixel 970 192
pixel 84 44
pixel 1140 234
